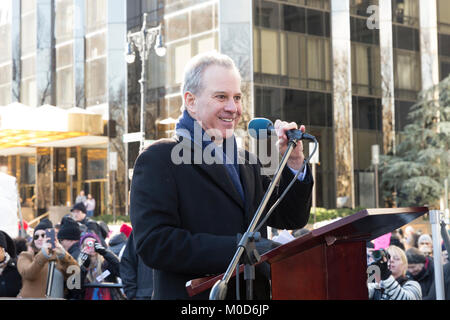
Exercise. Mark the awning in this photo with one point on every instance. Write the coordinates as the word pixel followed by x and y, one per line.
pixel 24 126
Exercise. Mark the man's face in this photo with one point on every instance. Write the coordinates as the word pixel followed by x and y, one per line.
pixel 218 106
pixel 78 215
pixel 415 268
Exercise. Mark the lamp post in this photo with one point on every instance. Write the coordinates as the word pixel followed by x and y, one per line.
pixel 143 40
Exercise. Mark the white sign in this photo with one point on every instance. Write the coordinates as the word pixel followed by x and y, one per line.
pixel 132 137
pixel 315 157
pixel 375 154
pixel 71 166
pixel 113 161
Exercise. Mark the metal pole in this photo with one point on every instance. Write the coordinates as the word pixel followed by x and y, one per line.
pixel 142 82
pixel 314 191
pixel 114 194
pixel 437 253
pixel 377 197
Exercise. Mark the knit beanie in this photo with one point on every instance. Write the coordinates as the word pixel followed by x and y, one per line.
pixel 424 238
pixel 43 225
pixel 8 244
pixel 69 229
pixel 90 235
pixel 126 229
pixel 79 206
pixel 414 256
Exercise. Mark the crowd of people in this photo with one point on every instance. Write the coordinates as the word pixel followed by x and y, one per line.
pixel 87 261
pixel 406 267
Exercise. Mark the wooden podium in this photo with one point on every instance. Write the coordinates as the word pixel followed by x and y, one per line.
pixel 329 262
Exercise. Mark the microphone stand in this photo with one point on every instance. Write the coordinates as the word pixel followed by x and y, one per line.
pixel 247 242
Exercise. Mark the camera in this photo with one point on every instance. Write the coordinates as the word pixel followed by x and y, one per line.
pixel 377 255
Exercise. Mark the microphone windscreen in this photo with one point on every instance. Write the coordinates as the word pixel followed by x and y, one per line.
pixel 259 127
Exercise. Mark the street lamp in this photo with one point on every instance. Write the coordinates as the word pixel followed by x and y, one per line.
pixel 143 40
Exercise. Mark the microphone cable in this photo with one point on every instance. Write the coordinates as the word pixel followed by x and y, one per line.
pixel 287 188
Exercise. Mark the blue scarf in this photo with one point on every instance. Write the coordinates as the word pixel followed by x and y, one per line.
pixel 187 123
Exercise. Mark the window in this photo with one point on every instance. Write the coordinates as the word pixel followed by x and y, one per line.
pixel 366 69
pixel 405 12
pixel 294 19
pixel 405 38
pixel 366 113
pixel 63 20
pixel 267 15
pixel 401 114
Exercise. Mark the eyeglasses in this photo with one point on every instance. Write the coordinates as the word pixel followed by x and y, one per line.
pixel 37 235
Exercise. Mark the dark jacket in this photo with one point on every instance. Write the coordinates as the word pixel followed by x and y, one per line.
pixel 89 225
pixel 432 292
pixel 10 280
pixel 426 278
pixel 136 277
pixel 110 263
pixel 186 217
pixel 74 250
pixel 117 242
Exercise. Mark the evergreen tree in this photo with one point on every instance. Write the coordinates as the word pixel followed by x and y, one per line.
pixel 417 170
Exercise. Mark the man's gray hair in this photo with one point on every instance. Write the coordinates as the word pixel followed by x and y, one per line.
pixel 193 72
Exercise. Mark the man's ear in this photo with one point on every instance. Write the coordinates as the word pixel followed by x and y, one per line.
pixel 189 101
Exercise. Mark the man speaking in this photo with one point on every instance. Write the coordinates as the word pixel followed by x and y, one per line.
pixel 191 195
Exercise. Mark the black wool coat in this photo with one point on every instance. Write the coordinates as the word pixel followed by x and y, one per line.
pixel 186 216
pixel 10 280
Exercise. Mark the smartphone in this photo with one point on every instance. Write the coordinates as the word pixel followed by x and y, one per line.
pixel 50 234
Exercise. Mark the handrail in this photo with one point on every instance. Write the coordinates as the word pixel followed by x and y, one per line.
pixel 38 219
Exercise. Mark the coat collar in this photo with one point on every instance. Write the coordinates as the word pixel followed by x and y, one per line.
pixel 218 173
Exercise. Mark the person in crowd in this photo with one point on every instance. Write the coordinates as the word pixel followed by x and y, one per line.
pixel 421 269
pixel 90 205
pixel 98 265
pixel 425 244
pixel 396 241
pixel 393 283
pixel 137 277
pixel 411 237
pixel 79 214
pixel 432 293
pixel 81 198
pixel 10 279
pixel 118 242
pixel 33 267
pixel 21 245
pixel 186 212
pixel 69 236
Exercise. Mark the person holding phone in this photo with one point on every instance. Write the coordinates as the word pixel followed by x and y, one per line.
pixel 98 265
pixel 33 266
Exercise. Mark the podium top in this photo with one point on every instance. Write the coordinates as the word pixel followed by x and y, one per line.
pixel 364 225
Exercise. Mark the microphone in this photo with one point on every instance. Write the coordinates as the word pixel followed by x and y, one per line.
pixel 261 128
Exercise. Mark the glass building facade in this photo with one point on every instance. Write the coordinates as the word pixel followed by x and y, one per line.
pixel 321 63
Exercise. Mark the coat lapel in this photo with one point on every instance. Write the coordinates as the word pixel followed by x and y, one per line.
pixel 216 172
pixel 248 182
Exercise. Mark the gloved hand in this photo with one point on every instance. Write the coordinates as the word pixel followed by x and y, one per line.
pixel 263 245
pixel 99 248
pixel 384 269
pixel 84 260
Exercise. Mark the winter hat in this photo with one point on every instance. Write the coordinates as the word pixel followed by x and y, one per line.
pixel 79 206
pixel 90 235
pixel 424 238
pixel 69 229
pixel 8 244
pixel 43 225
pixel 414 255
pixel 126 229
